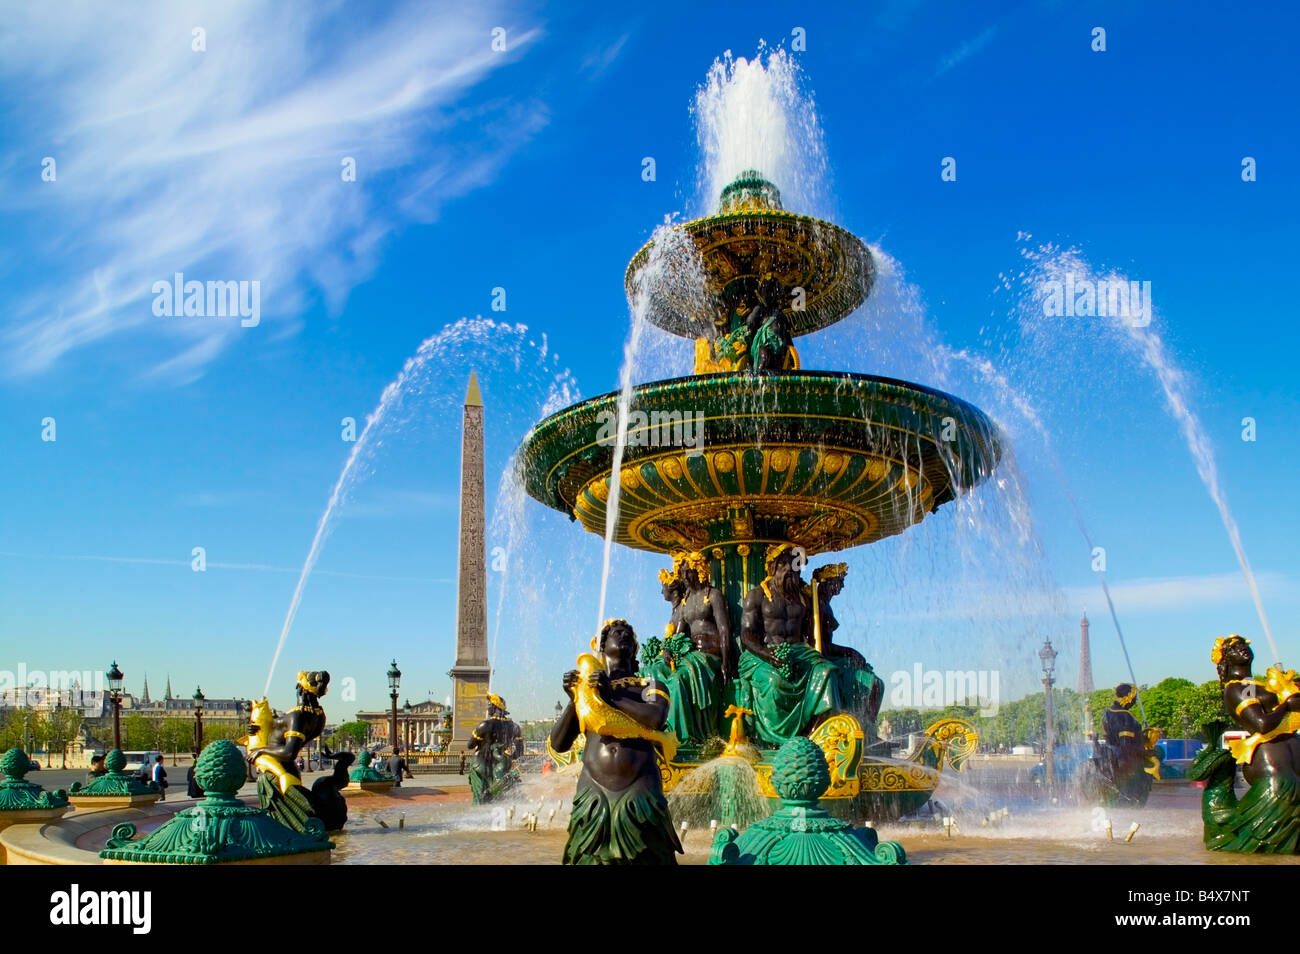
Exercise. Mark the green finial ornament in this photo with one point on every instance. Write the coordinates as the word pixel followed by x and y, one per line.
pixel 364 773
pixel 19 795
pixel 801 833
pixel 115 783
pixel 220 829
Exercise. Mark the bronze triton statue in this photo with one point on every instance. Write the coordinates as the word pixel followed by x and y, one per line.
pixel 274 743
pixel 787 684
pixel 620 815
pixel 1266 820
pixel 696 659
pixel 497 743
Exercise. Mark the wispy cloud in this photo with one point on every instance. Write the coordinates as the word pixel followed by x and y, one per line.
pixel 964 52
pixel 212 565
pixel 225 164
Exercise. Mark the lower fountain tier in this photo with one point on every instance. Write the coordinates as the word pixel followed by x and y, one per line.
pixel 825 460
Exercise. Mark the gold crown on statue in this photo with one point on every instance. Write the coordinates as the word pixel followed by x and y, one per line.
pixel 668 576
pixel 774 553
pixel 699 563
pixel 830 570
pixel 1216 654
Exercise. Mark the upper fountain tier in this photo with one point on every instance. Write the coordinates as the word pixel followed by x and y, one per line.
pixel 750 238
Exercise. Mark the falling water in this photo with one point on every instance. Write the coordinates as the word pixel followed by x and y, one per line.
pixel 985 369
pixel 630 350
pixel 1137 333
pixel 758 114
pixel 488 340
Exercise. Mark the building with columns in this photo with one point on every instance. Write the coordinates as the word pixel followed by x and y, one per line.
pixel 417 725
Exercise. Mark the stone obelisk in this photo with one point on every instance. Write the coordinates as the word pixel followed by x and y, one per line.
pixel 469 676
pixel 1085 657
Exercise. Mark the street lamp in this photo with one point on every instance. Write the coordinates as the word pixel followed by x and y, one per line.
pixel 198 719
pixel 408 712
pixel 394 680
pixel 115 679
pixel 1047 655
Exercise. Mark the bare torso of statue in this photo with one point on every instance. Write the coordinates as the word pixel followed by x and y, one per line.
pixel 702 615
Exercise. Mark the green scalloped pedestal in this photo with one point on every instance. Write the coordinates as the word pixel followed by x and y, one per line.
pixel 22 802
pixel 800 832
pixel 116 789
pixel 221 829
pixel 363 780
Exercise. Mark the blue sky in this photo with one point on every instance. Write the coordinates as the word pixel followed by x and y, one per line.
pixel 521 169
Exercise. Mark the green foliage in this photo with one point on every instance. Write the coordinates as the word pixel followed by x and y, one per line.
pixel 651 650
pixel 357 732
pixel 216 732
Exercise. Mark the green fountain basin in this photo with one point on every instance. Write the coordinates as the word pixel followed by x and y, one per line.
pixel 751 237
pixel 826 460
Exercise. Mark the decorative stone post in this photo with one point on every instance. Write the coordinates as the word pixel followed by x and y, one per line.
pixel 116 789
pixel 801 832
pixel 22 802
pixel 366 779
pixel 220 829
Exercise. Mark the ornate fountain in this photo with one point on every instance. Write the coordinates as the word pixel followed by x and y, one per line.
pixel 745 470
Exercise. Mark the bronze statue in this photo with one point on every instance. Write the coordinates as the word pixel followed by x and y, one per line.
pixel 1118 771
pixel 785 682
pixel 497 743
pixel 1266 820
pixel 695 676
pixel 861 690
pixel 620 815
pixel 771 346
pixel 327 793
pixel 273 744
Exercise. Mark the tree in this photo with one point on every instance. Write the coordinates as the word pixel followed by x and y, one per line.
pixel 214 731
pixel 64 726
pixel 1162 700
pixel 1199 705
pixel 175 733
pixel 138 732
pixel 355 732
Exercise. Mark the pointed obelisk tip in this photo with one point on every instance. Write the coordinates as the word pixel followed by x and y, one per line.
pixel 472 397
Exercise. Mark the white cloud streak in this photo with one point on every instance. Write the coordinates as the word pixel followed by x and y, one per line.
pixel 225 164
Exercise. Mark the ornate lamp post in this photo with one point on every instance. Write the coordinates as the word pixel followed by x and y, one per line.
pixel 115 679
pixel 406 709
pixel 1047 655
pixel 394 680
pixel 198 719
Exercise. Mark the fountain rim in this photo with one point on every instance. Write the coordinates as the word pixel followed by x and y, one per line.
pixel 987 435
pixel 848 239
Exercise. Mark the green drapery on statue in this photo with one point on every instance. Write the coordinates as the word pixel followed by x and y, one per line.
pixel 783 707
pixel 695 685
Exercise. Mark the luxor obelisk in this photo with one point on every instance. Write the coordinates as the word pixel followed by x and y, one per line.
pixel 470 674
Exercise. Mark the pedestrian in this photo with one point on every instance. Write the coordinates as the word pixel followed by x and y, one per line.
pixel 97 768
pixel 192 787
pixel 160 778
pixel 395 767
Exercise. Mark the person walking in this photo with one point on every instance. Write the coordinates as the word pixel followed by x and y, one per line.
pixel 396 767
pixel 192 787
pixel 160 778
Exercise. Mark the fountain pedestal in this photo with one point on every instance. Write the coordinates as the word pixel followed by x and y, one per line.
pixel 22 802
pixel 220 829
pixel 114 789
